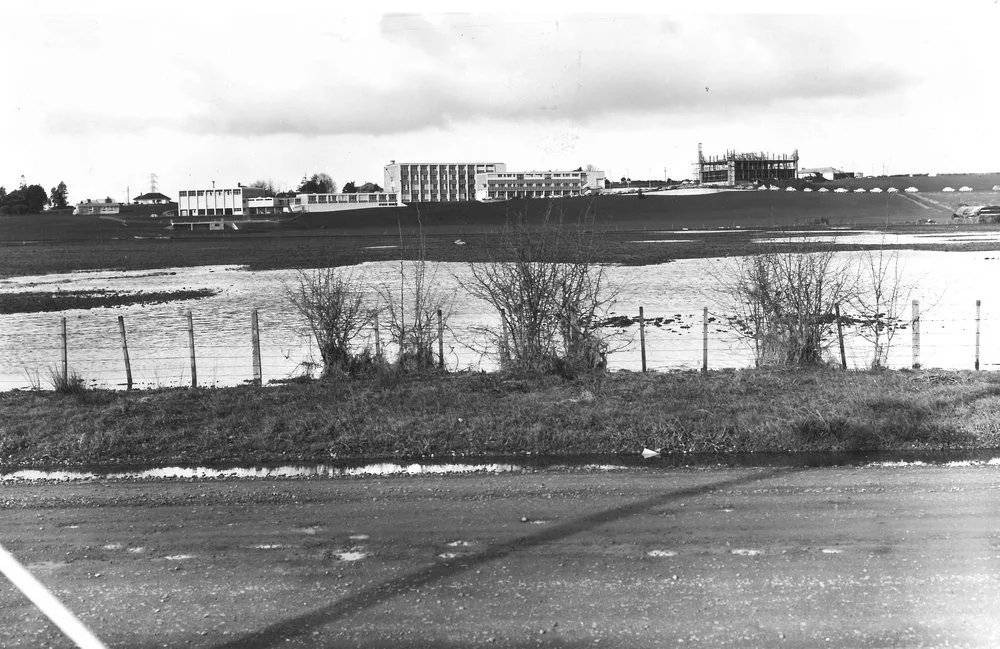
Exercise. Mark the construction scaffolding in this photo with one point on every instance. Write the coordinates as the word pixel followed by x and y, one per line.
pixel 745 168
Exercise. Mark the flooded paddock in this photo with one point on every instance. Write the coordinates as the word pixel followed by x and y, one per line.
pixel 673 296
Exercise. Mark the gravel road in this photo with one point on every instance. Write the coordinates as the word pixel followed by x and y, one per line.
pixel 834 557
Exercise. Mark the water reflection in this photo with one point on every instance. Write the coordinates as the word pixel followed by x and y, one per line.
pixel 602 463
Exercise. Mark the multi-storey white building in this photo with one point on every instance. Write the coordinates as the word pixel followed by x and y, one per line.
pixel 436 182
pixel 537 184
pixel 216 202
pixel 338 202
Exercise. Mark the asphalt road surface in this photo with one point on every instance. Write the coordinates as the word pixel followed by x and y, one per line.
pixel 721 557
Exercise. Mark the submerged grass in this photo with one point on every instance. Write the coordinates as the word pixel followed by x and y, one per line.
pixel 491 414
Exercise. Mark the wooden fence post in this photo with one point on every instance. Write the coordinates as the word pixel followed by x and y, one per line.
pixel 255 343
pixel 642 339
pixel 840 337
pixel 704 340
pixel 915 326
pixel 65 354
pixel 440 339
pixel 128 365
pixel 194 368
pixel 505 344
pixel 978 303
pixel 378 340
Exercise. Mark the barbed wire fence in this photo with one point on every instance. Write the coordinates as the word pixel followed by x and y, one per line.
pixel 189 349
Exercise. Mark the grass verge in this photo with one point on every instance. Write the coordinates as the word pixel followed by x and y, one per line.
pixel 490 414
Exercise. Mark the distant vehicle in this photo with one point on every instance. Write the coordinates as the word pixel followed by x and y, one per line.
pixel 948 189
pixel 965 188
pixel 823 189
pixel 911 190
pixel 789 189
pixel 807 189
pixel 892 190
pixel 875 190
pixel 859 190
pixel 840 190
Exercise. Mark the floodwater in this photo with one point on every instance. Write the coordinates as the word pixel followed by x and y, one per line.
pixel 947 285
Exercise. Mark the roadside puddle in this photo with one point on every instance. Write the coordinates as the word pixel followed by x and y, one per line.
pixel 316 471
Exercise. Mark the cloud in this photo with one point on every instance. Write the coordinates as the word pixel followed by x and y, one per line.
pixel 412 73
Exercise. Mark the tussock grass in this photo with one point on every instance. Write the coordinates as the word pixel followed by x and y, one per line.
pixel 742 411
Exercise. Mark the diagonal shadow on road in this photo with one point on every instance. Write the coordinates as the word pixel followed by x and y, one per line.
pixel 276 634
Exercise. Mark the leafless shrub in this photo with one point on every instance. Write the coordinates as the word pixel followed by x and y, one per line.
pixel 411 308
pixel 332 302
pixel 550 292
pixel 784 301
pixel 879 301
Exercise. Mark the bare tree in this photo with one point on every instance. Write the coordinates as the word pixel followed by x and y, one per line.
pixel 266 185
pixel 550 292
pixel 880 300
pixel 332 302
pixel 412 306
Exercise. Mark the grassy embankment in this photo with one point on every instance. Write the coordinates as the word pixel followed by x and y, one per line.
pixel 38 244
pixel 489 414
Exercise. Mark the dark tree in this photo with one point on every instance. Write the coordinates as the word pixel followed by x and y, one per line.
pixel 108 199
pixel 349 188
pixel 58 196
pixel 369 188
pixel 318 184
pixel 28 199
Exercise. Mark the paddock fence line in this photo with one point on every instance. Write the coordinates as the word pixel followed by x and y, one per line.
pixel 108 352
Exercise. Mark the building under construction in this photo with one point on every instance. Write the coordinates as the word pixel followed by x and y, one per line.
pixel 745 168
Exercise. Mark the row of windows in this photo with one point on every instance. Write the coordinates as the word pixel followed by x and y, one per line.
pixel 549 185
pixel 531 194
pixel 209 192
pixel 228 211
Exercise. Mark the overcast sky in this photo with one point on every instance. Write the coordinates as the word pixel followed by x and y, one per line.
pixel 102 94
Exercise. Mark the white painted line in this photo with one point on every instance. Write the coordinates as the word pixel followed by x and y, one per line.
pixel 46 602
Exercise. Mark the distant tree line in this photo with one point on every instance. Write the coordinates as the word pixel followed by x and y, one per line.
pixel 32 199
pixel 318 183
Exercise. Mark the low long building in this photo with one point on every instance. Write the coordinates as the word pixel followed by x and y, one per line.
pixel 504 185
pixel 340 202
